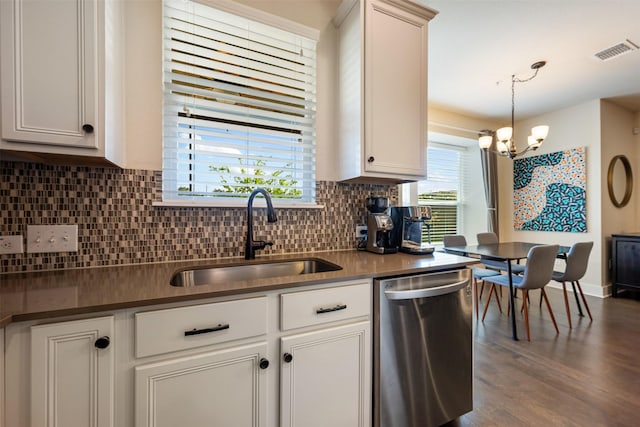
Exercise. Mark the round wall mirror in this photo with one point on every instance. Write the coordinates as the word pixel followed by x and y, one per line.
pixel 620 181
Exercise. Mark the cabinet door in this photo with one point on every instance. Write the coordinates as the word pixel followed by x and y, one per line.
pixel 218 388
pixel 71 377
pixel 627 255
pixel 325 369
pixel 49 71
pixel 395 90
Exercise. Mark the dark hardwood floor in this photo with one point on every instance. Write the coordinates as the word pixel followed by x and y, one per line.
pixel 585 376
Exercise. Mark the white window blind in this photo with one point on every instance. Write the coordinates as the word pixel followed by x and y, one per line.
pixel 239 107
pixel 442 189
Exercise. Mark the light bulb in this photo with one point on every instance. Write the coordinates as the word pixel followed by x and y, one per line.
pixel 485 141
pixel 504 134
pixel 539 133
pixel 502 147
pixel 534 144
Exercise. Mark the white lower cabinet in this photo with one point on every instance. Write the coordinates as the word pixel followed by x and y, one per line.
pixel 218 388
pixel 326 378
pixel 281 358
pixel 60 374
pixel 72 374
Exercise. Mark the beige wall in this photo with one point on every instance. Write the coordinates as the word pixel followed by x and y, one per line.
pixel 617 136
pixel 446 122
pixel 605 129
pixel 573 127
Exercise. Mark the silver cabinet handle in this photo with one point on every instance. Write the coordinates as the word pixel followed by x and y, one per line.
pixel 425 292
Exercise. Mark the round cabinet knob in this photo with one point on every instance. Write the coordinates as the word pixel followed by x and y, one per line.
pixel 371 159
pixel 87 128
pixel 102 342
pixel 264 363
pixel 287 357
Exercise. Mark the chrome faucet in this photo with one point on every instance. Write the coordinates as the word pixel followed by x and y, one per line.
pixel 250 244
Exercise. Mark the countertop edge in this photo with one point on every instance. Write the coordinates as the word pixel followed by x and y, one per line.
pixel 357 265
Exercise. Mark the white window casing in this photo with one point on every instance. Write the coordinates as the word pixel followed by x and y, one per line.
pixel 239 107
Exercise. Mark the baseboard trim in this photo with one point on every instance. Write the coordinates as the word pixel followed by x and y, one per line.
pixel 587 289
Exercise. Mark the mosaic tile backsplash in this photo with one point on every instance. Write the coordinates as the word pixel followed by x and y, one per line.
pixel 118 225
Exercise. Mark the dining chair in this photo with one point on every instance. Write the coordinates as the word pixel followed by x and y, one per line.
pixel 577 260
pixel 478 273
pixel 537 274
pixel 491 238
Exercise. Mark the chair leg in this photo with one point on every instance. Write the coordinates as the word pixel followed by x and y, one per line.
pixel 553 318
pixel 540 301
pixel 481 290
pixel 566 303
pixel 486 304
pixel 525 294
pixel 584 300
pixel 492 290
pixel 575 294
pixel 495 294
pixel 526 300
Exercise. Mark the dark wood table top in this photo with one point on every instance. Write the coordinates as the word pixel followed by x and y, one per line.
pixel 507 251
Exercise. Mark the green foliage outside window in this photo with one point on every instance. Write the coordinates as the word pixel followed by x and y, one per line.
pixel 277 184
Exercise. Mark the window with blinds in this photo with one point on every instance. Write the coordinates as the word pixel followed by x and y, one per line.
pixel 442 189
pixel 239 107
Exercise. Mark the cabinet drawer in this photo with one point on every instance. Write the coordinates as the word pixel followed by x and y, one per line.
pixel 163 331
pixel 307 308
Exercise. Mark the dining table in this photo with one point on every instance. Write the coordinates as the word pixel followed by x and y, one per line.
pixel 504 251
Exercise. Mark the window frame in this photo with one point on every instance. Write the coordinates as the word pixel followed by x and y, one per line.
pixel 471 198
pixel 458 203
pixel 279 23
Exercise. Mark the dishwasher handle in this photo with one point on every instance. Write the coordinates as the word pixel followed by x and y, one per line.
pixel 425 292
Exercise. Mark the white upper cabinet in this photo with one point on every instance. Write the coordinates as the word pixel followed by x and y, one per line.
pixel 382 57
pixel 62 80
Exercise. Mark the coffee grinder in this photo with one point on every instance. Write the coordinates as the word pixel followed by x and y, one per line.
pixel 379 226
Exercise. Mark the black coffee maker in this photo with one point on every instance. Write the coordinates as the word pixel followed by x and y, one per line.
pixel 379 226
pixel 411 229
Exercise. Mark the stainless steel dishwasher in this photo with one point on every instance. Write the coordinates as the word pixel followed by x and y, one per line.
pixel 423 361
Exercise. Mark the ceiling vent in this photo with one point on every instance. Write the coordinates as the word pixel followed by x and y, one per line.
pixel 617 50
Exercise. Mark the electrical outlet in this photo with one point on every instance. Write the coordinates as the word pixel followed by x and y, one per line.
pixel 11 244
pixel 52 238
pixel 361 231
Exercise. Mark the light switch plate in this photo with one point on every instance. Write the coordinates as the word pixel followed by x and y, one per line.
pixel 11 244
pixel 52 238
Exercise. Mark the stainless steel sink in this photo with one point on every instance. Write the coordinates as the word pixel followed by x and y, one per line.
pixel 225 273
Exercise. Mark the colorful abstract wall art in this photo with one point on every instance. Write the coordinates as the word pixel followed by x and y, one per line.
pixel 549 192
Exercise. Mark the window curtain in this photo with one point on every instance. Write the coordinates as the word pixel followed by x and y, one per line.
pixel 490 178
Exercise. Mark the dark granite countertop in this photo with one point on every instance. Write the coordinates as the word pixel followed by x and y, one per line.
pixel 38 295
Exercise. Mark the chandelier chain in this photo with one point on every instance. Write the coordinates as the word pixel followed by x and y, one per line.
pixel 505 142
pixel 515 80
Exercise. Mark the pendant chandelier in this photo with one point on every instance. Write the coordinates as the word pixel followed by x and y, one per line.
pixel 505 144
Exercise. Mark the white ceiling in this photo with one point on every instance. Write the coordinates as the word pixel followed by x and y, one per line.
pixel 476 45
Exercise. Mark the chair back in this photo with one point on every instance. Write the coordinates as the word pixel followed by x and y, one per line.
pixel 577 261
pixel 454 240
pixel 489 238
pixel 539 268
